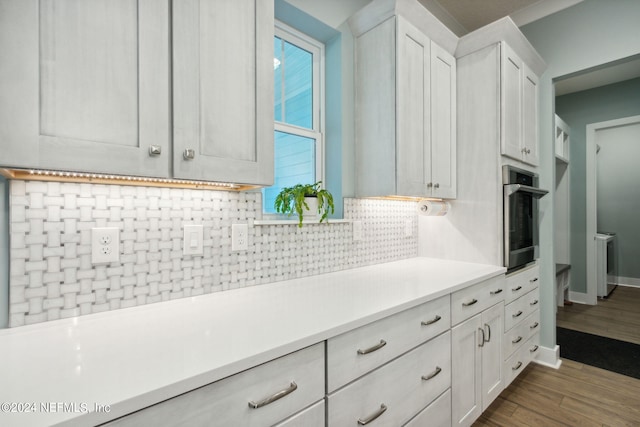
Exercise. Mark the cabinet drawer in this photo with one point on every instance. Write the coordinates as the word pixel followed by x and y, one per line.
pixel 514 365
pixel 357 352
pixel 396 391
pixel 519 309
pixel 518 335
pixel 227 402
pixel 520 283
pixel 310 417
pixel 437 414
pixel 470 301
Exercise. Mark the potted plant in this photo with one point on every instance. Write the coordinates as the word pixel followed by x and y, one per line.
pixel 310 199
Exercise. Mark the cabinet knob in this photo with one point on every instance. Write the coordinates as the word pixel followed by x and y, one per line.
pixel 429 184
pixel 528 151
pixel 436 185
pixel 155 150
pixel 189 154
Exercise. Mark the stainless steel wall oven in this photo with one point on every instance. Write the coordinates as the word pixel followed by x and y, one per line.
pixel 521 194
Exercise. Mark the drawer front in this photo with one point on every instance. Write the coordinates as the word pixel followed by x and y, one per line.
pixel 515 364
pixel 310 417
pixel 437 414
pixel 519 334
pixel 470 301
pixel 353 354
pixel 520 283
pixel 227 402
pixel 397 391
pixel 518 310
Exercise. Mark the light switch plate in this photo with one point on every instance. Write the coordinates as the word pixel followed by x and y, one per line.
pixel 105 245
pixel 193 243
pixel 408 228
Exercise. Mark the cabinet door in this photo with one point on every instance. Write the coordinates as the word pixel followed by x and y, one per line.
pixel 223 90
pixel 511 126
pixel 493 325
pixel 85 85
pixel 530 117
pixel 466 371
pixel 443 122
pixel 413 167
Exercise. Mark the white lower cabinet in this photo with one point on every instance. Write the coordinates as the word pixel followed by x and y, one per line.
pixel 476 350
pixel 437 414
pixel 261 396
pixel 310 417
pixel 393 394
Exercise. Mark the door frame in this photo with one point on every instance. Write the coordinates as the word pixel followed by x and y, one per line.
pixel 592 200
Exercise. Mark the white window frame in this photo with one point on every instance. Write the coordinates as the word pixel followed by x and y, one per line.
pixel 316 47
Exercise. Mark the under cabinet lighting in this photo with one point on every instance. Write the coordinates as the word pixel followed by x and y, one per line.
pixel 96 178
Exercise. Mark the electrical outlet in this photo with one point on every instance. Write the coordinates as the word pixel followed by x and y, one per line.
pixel 358 233
pixel 408 228
pixel 193 242
pixel 239 237
pixel 105 245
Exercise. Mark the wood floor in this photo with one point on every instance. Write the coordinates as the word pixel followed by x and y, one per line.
pixel 616 317
pixel 574 395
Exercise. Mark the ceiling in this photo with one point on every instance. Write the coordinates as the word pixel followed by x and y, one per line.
pixel 465 16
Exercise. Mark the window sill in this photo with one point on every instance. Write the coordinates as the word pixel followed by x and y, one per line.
pixel 295 221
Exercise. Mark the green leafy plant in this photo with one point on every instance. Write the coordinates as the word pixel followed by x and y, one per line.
pixel 291 199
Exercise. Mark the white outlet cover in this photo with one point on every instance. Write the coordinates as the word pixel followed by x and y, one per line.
pixel 193 243
pixel 239 237
pixel 358 232
pixel 105 245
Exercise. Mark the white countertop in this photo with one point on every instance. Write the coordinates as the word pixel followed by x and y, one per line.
pixel 135 357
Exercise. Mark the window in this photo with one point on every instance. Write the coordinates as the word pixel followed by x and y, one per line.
pixel 298 102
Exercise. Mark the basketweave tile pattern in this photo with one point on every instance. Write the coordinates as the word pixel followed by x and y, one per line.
pixel 51 275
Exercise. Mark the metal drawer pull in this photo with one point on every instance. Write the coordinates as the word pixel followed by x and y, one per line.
pixel 515 368
pixel 432 321
pixel 274 397
pixel 534 302
pixel 533 280
pixel 516 289
pixel 535 325
pixel 496 292
pixel 432 374
pixel 482 340
pixel 488 327
pixel 518 314
pixel 378 346
pixel 467 304
pixel 372 417
pixel 517 340
pixel 533 349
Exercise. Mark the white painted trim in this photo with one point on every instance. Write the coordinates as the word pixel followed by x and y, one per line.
pixel 592 200
pixel 631 282
pixel 549 357
pixel 579 298
pixel 539 10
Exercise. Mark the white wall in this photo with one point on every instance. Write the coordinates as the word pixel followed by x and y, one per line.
pixel 583 36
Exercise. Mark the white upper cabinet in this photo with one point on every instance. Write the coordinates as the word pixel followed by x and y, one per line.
pixel 519 138
pixel 223 90
pixel 85 85
pixel 405 102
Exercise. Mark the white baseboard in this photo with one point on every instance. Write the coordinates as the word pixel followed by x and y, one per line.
pixel 578 297
pixel 628 281
pixel 549 357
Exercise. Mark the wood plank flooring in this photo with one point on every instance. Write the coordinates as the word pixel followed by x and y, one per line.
pixel 574 395
pixel 616 317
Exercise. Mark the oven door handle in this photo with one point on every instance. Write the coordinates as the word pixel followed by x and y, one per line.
pixel 510 189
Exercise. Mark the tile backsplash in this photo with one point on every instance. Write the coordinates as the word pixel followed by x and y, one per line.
pixel 51 275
